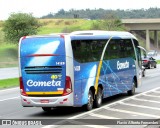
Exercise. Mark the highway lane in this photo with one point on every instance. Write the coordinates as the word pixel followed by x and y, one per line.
pixel 6 73
pixel 10 104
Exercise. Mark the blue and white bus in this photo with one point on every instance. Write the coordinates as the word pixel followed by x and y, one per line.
pixel 77 69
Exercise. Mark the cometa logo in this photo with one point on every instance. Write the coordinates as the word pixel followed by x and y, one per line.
pixel 122 65
pixel 31 83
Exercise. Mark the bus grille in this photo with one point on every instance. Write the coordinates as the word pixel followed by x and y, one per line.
pixel 43 69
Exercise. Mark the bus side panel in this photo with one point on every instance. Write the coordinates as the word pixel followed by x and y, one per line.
pixel 118 76
pixel 77 93
pixel 85 76
pixel 111 82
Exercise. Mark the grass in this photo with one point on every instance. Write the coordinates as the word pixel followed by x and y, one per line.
pixel 8 83
pixel 8 52
pixel 49 26
pixel 8 55
pixel 158 61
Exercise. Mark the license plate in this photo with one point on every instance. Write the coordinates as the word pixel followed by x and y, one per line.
pixel 44 101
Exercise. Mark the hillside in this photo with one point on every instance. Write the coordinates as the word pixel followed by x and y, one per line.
pixel 101 13
pixel 9 52
pixel 63 25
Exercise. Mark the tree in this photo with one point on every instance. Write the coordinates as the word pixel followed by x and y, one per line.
pixel 18 25
pixel 110 22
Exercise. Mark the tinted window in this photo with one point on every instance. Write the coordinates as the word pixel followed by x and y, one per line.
pixel 119 48
pixel 129 49
pixel 112 50
pixel 87 50
pixel 91 50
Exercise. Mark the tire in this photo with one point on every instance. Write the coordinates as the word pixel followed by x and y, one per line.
pixel 132 91
pixel 89 105
pixel 149 66
pixel 98 98
pixel 143 74
pixel 47 109
pixel 155 66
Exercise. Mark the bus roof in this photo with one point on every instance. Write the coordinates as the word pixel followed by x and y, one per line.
pixel 91 33
pixel 119 34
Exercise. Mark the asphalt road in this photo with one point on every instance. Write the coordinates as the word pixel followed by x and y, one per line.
pixel 144 105
pixel 6 73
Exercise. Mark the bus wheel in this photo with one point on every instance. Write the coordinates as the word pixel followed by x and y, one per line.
pixel 98 98
pixel 132 91
pixel 89 105
pixel 47 109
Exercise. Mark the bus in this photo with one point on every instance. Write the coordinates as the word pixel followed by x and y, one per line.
pixel 77 69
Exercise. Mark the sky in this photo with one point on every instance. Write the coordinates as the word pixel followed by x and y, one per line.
pixel 43 7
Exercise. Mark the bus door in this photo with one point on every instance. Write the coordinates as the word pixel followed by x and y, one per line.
pixel 138 62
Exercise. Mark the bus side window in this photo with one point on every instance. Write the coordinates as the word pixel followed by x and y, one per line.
pixel 112 50
pixel 87 50
pixel 129 49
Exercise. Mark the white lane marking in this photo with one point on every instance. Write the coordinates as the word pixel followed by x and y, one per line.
pixel 156 91
pixel 111 104
pixel 102 116
pixel 131 112
pixel 10 98
pixel 94 110
pixel 50 126
pixel 10 89
pixel 151 95
pixel 140 106
pixel 152 101
pixel 76 122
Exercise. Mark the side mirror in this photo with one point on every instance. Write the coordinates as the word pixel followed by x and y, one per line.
pixel 143 68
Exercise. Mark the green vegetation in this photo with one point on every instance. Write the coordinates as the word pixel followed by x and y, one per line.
pixel 9 51
pixel 49 26
pixel 8 55
pixel 19 25
pixel 100 13
pixel 7 83
pixel 158 61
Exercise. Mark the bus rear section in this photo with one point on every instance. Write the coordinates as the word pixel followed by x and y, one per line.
pixel 43 80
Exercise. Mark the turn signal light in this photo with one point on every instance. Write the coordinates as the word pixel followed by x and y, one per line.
pixel 22 91
pixel 68 86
